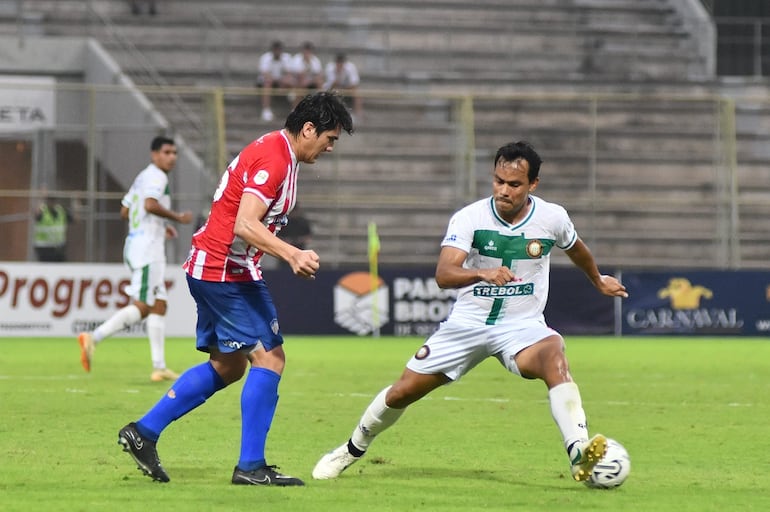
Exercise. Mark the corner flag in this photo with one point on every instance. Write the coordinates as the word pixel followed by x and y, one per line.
pixel 374 252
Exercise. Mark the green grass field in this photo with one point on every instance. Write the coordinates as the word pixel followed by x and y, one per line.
pixel 693 414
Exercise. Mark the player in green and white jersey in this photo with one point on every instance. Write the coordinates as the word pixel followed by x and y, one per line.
pixel 496 253
pixel 147 207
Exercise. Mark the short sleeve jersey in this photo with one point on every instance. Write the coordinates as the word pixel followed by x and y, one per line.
pixel 311 66
pixel 525 248
pixel 146 238
pixel 276 67
pixel 345 78
pixel 266 168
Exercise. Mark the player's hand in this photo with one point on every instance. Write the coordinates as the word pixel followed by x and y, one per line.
pixel 497 276
pixel 185 217
pixel 171 232
pixel 305 264
pixel 608 285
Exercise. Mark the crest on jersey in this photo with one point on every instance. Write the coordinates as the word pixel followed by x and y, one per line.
pixel 261 177
pixel 422 353
pixel 534 249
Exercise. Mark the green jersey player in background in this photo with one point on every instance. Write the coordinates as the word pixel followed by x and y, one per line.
pixel 496 253
pixel 147 207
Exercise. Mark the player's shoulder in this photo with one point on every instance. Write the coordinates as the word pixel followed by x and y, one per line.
pixel 269 152
pixel 272 145
pixel 473 213
pixel 547 208
pixel 545 204
pixel 480 207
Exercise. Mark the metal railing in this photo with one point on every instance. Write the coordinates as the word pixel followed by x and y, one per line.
pixel 743 46
pixel 649 178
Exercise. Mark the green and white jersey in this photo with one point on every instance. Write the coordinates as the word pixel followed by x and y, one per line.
pixel 146 238
pixel 525 248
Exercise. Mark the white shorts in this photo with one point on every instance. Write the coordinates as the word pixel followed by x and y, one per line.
pixel 455 349
pixel 148 283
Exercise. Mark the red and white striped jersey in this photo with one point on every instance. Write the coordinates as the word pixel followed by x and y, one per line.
pixel 266 168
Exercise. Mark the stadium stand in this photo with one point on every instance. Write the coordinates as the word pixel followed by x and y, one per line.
pixel 619 96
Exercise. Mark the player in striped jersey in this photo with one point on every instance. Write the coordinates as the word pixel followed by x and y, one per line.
pixel 496 253
pixel 237 321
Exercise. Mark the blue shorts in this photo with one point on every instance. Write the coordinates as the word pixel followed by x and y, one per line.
pixel 234 316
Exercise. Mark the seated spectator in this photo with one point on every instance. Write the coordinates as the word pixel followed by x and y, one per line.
pixel 308 71
pixel 342 75
pixel 275 70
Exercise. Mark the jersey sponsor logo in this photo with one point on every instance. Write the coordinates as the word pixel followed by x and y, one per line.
pixel 261 177
pixel 504 291
pixel 235 345
pixel 510 247
pixel 451 238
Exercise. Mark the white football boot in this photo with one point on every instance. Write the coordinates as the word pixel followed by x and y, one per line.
pixel 333 463
pixel 585 455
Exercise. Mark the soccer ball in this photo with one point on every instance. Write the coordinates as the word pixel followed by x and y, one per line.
pixel 613 469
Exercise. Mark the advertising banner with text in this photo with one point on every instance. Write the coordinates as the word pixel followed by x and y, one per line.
pixel 408 302
pixel 38 300
pixel 697 303
pixel 27 103
pixel 63 299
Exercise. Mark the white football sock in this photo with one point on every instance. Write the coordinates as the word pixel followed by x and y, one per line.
pixel 376 419
pixel 567 411
pixel 123 318
pixel 156 331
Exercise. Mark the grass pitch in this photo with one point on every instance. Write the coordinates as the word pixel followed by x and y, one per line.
pixel 693 414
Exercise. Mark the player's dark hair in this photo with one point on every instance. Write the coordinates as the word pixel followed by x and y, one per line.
pixel 521 149
pixel 159 141
pixel 325 110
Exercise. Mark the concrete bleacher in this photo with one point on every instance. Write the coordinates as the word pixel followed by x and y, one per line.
pixel 400 168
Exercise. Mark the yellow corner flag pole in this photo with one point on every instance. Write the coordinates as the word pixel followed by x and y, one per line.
pixel 374 251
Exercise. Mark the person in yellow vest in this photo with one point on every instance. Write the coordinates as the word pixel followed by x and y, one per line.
pixel 51 221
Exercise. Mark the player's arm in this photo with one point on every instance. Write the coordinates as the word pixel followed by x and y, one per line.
pixel 152 206
pixel 249 227
pixel 450 272
pixel 583 259
pixel 124 212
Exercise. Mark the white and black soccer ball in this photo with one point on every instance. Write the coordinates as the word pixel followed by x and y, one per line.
pixel 613 469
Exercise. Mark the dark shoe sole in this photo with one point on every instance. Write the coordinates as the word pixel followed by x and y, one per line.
pixel 141 466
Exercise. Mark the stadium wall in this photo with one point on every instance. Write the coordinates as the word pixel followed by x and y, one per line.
pixel 113 118
pixel 64 299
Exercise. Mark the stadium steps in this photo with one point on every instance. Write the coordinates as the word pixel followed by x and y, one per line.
pixel 648 154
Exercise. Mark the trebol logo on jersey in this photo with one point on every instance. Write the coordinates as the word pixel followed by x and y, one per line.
pixel 357 307
pixel 490 246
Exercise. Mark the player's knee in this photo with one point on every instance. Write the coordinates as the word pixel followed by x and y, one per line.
pixel 143 308
pixel 230 369
pixel 159 308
